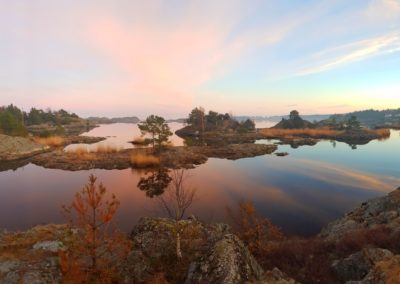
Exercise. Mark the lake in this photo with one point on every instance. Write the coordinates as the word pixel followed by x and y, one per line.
pixel 300 193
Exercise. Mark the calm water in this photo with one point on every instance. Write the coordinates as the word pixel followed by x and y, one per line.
pixel 300 192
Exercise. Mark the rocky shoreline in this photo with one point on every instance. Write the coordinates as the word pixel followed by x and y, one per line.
pixel 19 151
pixel 14 148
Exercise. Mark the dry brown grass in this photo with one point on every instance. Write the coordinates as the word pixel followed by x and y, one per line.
pixel 81 152
pixel 54 141
pixel 304 132
pixel 316 132
pixel 383 133
pixel 106 148
pixel 144 160
pixel 18 245
pixel 391 268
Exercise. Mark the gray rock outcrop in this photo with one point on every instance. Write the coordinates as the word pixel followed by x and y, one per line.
pixel 356 266
pixel 379 211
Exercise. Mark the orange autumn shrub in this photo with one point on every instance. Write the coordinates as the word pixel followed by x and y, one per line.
pixel 255 231
pixel 94 246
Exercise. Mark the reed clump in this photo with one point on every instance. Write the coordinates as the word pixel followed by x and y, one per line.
pixel 383 133
pixel 106 148
pixel 54 141
pixel 303 132
pixel 143 160
pixel 81 152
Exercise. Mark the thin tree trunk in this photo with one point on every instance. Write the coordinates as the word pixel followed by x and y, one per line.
pixel 94 258
pixel 178 245
pixel 178 240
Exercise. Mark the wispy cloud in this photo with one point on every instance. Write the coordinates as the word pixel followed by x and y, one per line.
pixel 349 53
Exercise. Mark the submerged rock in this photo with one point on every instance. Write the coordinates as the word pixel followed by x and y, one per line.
pixel 281 154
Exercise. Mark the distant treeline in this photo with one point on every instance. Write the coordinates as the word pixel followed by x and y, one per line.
pixel 14 121
pixel 372 117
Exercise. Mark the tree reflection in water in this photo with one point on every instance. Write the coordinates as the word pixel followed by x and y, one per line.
pixel 155 183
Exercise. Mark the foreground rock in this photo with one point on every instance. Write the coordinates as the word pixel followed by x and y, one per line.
pixel 13 148
pixel 212 254
pixel 228 261
pixel 356 266
pixel 31 256
pixel 371 265
pixel 172 157
pixel 384 272
pixel 379 211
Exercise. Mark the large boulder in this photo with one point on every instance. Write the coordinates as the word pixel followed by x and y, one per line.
pixel 275 276
pixel 211 253
pixel 32 256
pixel 384 272
pixel 356 266
pixel 43 271
pixel 379 211
pixel 228 261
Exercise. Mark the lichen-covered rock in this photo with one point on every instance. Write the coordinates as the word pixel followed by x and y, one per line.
pixel 52 246
pixel 154 243
pixel 212 254
pixel 379 211
pixel 275 276
pixel 229 261
pixel 358 265
pixel 384 272
pixel 44 271
pixel 31 256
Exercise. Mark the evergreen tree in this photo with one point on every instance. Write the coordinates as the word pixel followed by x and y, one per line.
pixel 158 128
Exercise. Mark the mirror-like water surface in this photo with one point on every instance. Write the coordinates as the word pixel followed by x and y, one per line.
pixel 300 192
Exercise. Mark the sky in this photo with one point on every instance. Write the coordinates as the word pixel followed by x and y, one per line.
pixel 127 57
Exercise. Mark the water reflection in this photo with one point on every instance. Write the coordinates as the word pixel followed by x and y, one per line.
pixel 155 183
pixel 300 192
pixel 120 135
